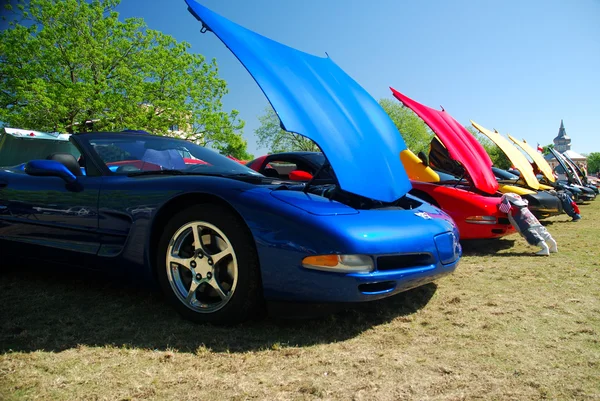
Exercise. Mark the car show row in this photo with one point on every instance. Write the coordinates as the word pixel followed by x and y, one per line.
pixel 361 220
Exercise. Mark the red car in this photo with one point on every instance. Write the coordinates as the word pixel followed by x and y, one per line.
pixel 459 175
pixel 476 215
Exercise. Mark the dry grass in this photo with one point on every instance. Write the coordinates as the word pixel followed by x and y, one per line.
pixel 506 326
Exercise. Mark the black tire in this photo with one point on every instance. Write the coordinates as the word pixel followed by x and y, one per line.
pixel 246 299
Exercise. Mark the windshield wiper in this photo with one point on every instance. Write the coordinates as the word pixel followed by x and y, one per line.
pixel 252 178
pixel 234 176
pixel 156 172
pixel 241 175
pixel 460 179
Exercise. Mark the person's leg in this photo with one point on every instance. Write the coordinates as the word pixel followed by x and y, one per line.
pixel 545 234
pixel 553 245
pixel 545 251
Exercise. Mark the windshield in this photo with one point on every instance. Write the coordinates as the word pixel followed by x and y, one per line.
pixel 316 158
pixel 447 177
pixel 504 175
pixel 131 153
pixel 18 150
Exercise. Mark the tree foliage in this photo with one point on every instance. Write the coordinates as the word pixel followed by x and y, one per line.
pixel 593 162
pixel 271 136
pixel 73 66
pixel 496 154
pixel 546 149
pixel 415 132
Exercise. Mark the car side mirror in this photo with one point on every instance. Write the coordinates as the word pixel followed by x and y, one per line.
pixel 49 168
pixel 299 175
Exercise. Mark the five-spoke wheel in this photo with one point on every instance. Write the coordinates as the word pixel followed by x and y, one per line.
pixel 202 266
pixel 207 265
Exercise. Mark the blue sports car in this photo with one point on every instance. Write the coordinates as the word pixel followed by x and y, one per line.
pixel 219 238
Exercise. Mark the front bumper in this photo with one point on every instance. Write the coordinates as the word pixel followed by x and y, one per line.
pixel 543 204
pixel 587 196
pixel 410 247
pixel 319 286
pixel 470 231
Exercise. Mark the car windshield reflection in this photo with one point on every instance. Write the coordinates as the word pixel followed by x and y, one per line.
pixel 128 154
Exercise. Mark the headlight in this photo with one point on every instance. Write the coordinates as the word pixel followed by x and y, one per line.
pixel 481 220
pixel 339 263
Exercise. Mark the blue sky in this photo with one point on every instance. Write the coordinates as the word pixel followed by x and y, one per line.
pixel 516 66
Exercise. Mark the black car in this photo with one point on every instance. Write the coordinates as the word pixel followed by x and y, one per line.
pixel 541 203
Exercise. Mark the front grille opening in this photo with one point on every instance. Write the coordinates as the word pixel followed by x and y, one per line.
pixel 503 220
pixel 377 288
pixel 407 261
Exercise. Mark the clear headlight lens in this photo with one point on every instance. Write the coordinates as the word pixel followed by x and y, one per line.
pixel 340 263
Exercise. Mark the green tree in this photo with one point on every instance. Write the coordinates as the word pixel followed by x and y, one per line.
pixel 496 154
pixel 593 162
pixel 546 149
pixel 415 132
pixel 73 66
pixel 271 136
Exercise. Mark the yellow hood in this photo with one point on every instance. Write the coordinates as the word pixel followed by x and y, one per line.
pixel 415 169
pixel 515 190
pixel 517 158
pixel 537 158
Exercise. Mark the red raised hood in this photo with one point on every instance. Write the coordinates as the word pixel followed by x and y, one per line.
pixel 461 145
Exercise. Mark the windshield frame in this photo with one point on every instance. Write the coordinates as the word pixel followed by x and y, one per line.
pixel 84 140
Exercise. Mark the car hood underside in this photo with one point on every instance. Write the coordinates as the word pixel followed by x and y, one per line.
pixel 461 145
pixel 517 158
pixel 537 158
pixel 315 98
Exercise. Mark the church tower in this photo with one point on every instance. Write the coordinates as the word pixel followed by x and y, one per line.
pixel 562 142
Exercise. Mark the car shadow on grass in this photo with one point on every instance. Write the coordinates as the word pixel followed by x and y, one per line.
pixel 548 223
pixel 568 220
pixel 526 254
pixel 481 247
pixel 58 310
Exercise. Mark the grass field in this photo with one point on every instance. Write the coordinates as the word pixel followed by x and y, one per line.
pixel 506 326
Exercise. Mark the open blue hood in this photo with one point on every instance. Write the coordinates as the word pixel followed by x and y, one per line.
pixel 315 98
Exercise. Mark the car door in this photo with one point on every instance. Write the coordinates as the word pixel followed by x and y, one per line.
pixel 43 216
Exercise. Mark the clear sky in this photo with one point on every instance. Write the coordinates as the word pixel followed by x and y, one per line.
pixel 516 66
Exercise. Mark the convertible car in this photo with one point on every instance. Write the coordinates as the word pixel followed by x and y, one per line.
pixel 220 238
pixel 543 171
pixel 540 202
pixel 581 173
pixel 572 178
pixel 578 175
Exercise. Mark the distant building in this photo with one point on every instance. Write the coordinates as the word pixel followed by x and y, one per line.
pixel 562 142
